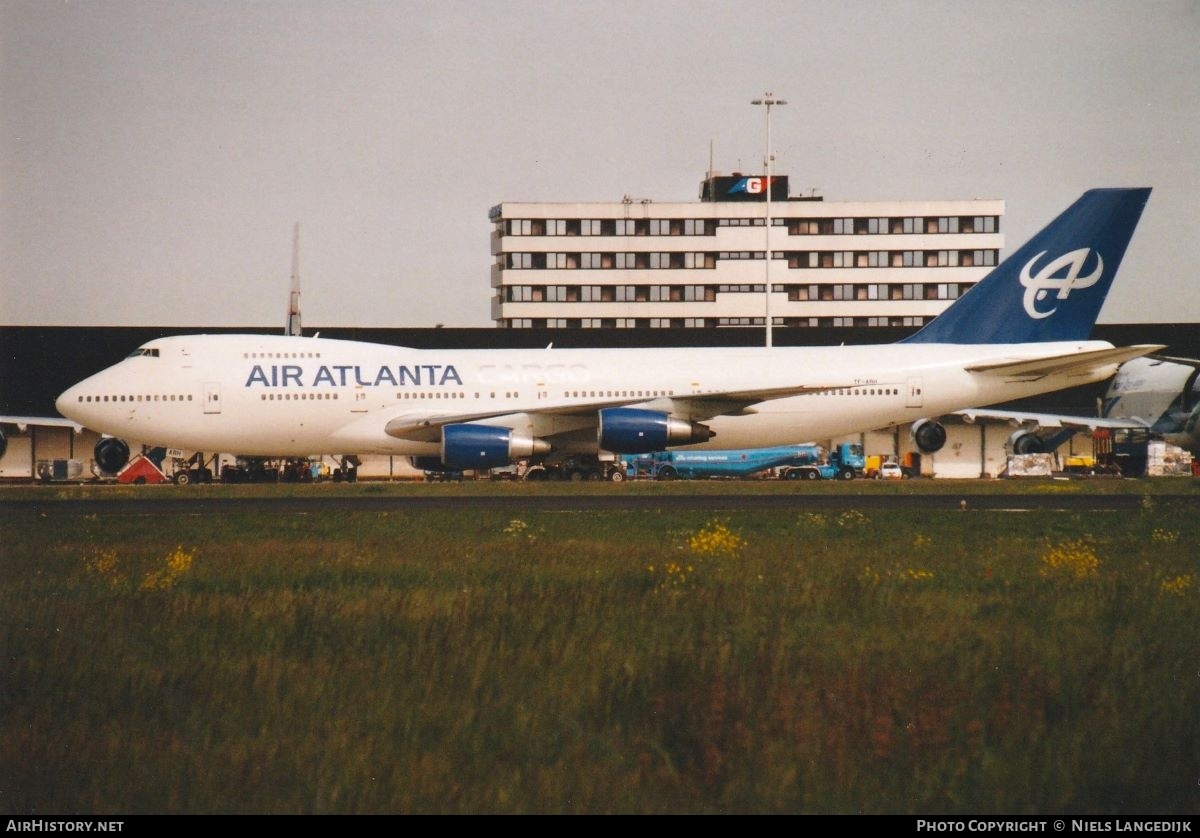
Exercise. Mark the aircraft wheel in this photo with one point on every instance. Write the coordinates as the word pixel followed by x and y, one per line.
pixel 183 478
pixel 616 475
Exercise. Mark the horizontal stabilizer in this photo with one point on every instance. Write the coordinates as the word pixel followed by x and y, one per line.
pixel 1058 364
pixel 1050 420
pixel 1187 362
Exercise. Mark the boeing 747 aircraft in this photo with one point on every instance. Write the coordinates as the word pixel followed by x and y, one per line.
pixel 1021 331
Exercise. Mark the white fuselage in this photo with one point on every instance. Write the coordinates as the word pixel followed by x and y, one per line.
pixel 294 396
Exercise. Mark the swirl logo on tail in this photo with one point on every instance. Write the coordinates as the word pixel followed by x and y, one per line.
pixel 1039 286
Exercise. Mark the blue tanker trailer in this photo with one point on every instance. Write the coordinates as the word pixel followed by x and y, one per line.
pixel 795 462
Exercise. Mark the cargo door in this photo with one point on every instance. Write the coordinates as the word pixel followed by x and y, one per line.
pixel 212 397
pixel 916 395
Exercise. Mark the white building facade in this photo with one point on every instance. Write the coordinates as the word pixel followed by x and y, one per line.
pixel 645 264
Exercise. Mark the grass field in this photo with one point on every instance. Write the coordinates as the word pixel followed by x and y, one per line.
pixel 476 661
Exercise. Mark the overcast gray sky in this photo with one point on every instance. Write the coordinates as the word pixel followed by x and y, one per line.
pixel 155 155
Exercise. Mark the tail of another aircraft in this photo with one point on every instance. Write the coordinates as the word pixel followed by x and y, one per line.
pixel 1052 288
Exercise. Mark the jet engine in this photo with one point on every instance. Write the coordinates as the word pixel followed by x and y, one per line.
pixel 629 430
pixel 484 446
pixel 111 454
pixel 928 435
pixel 1023 442
pixel 427 463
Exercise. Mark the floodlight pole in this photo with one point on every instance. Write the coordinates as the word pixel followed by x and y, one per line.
pixel 768 100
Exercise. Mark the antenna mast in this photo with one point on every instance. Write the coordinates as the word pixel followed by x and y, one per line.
pixel 293 317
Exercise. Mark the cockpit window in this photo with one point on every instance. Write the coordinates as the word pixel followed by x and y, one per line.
pixel 142 350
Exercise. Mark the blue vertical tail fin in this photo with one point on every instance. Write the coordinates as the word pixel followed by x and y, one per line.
pixel 1052 288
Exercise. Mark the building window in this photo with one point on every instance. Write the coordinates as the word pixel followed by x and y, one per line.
pixel 589 227
pixel 590 260
pixel 520 227
pixel 914 225
pixel 694 227
pixel 626 227
pixel 660 227
pixel 556 227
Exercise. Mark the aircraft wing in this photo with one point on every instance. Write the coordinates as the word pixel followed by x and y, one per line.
pixel 1051 420
pixel 1057 364
pixel 423 427
pixel 23 422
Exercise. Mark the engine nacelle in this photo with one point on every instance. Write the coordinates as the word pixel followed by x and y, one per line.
pixel 628 430
pixel 111 454
pixel 928 435
pixel 1023 442
pixel 428 463
pixel 484 446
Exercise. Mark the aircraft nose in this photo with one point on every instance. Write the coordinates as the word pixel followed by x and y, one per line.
pixel 66 403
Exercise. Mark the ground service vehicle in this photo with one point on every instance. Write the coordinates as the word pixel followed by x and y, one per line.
pixel 578 468
pixel 669 465
pixel 845 462
pixel 891 471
